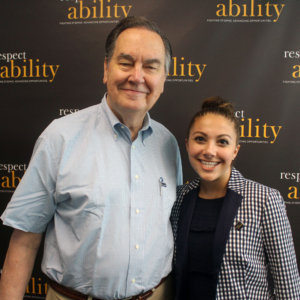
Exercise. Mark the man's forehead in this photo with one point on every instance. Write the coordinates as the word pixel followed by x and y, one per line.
pixel 149 38
pixel 133 58
pixel 139 30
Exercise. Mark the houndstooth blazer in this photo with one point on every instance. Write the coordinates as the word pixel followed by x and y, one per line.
pixel 254 256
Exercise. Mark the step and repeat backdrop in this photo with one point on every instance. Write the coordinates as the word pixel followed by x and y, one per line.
pixel 247 51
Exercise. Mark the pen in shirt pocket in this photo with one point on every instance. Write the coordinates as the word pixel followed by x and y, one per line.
pixel 162 184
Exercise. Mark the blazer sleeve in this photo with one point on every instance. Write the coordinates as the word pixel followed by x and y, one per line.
pixel 279 248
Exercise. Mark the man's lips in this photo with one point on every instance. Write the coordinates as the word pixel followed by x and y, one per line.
pixel 134 91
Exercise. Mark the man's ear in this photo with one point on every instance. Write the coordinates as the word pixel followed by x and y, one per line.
pixel 105 71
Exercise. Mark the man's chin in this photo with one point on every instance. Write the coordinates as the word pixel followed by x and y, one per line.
pixel 134 95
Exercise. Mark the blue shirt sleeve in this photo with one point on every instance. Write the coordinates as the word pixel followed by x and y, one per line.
pixel 32 205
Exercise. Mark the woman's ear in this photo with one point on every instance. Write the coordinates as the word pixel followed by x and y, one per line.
pixel 236 151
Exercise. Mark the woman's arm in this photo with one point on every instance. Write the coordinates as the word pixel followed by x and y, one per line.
pixel 279 246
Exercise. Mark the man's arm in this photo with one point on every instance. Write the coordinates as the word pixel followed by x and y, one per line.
pixel 18 264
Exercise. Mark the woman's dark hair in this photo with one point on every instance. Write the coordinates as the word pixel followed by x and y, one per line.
pixel 219 106
pixel 136 22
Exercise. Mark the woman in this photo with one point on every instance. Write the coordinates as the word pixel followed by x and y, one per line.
pixel 232 236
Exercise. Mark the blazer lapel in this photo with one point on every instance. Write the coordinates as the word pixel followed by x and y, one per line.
pixel 228 212
pixel 184 222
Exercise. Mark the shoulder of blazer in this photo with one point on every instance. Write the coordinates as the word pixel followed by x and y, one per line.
pixel 184 189
pixel 244 186
pixel 236 181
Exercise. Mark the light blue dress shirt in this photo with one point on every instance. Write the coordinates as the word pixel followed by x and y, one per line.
pixel 104 201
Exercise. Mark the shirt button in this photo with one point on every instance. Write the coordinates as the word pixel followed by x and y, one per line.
pixel 137 211
pixel 137 247
pixel 133 280
pixel 122 126
pixel 136 176
pixel 133 147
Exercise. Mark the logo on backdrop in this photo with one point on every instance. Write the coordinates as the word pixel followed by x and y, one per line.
pixel 36 288
pixel 95 11
pixel 10 176
pixel 66 111
pixel 255 130
pixel 293 59
pixel 293 192
pixel 18 67
pixel 247 11
pixel 184 70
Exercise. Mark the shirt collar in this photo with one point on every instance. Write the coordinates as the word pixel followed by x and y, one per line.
pixel 116 125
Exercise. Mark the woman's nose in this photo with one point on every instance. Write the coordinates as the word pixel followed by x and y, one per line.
pixel 210 149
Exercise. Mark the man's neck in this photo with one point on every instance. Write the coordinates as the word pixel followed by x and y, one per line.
pixel 133 120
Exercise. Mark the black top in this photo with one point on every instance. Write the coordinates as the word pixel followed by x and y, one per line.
pixel 201 280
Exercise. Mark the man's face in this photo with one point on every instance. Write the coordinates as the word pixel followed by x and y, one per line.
pixel 135 74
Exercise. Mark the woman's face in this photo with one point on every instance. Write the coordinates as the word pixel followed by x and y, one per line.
pixel 212 147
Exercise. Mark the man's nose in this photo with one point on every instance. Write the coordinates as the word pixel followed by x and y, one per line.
pixel 137 74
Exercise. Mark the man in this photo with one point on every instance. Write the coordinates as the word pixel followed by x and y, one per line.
pixel 102 183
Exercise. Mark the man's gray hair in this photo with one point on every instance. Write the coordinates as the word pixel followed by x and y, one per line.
pixel 136 22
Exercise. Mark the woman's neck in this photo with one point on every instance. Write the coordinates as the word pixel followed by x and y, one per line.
pixel 212 190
